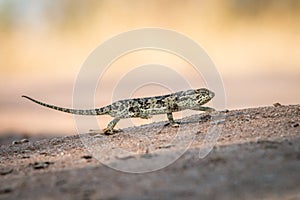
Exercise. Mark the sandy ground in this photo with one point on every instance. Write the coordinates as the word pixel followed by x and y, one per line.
pixel 256 156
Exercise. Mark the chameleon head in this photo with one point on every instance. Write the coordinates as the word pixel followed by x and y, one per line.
pixel 204 95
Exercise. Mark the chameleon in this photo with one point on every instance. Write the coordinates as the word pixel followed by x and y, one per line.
pixel 146 107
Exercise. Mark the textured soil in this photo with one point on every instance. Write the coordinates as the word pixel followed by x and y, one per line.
pixel 240 154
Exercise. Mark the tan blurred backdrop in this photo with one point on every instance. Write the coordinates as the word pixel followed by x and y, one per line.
pixel 255 45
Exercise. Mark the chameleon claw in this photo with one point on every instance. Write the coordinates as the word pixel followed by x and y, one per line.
pixel 173 124
pixel 105 131
pixel 108 131
pixel 176 125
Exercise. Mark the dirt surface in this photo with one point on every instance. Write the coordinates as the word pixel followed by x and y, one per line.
pixel 252 154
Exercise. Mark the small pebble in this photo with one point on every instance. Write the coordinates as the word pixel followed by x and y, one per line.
pixel 125 157
pixel 5 171
pixel 5 190
pixel 43 153
pixel 165 146
pixel 25 156
pixel 87 157
pixel 41 165
pixel 22 141
pixel 276 104
pixel 295 125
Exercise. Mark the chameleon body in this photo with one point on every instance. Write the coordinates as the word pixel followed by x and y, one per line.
pixel 145 107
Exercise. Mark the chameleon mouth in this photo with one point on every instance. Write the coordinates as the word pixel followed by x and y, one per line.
pixel 211 94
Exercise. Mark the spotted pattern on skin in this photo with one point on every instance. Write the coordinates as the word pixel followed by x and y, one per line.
pixel 146 107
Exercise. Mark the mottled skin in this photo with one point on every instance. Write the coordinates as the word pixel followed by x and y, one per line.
pixel 145 107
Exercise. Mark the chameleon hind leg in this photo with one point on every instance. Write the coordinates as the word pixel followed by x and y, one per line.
pixel 109 130
pixel 171 120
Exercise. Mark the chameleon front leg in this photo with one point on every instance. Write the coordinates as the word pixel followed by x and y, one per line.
pixel 171 120
pixel 109 130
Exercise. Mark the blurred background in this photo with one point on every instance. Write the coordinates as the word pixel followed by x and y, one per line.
pixel 255 45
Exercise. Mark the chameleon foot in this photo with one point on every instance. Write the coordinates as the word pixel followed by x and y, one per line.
pixel 173 124
pixel 108 131
pixel 105 131
pixel 171 120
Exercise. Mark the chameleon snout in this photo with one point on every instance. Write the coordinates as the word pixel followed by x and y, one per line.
pixel 211 94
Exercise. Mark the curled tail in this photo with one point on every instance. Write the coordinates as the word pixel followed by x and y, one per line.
pixel 97 111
